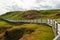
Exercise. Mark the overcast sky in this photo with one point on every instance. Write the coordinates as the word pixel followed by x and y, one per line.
pixel 11 5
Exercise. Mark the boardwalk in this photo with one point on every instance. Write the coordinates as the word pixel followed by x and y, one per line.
pixel 50 22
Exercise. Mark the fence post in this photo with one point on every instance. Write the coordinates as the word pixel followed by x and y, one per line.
pixel 56 28
pixel 47 21
pixel 30 21
pixel 41 20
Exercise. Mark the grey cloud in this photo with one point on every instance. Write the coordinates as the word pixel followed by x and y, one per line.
pixel 11 5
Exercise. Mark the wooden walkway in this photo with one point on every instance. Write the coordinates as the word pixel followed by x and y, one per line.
pixel 50 22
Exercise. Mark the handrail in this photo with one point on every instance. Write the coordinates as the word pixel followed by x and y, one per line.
pixel 50 22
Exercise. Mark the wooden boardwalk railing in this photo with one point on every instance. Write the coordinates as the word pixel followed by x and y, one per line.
pixel 50 22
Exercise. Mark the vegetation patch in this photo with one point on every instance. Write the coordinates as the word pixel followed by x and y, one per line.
pixel 29 32
pixel 43 32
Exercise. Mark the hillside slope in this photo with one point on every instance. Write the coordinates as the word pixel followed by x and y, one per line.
pixel 32 14
pixel 22 31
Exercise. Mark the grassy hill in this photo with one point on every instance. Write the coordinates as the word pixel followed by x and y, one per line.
pixel 32 14
pixel 21 31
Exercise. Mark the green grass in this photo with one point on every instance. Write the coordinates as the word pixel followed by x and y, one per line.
pixel 34 14
pixel 41 32
pixel 4 24
pixel 12 15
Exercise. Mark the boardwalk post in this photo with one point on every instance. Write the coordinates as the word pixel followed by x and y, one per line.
pixel 56 28
pixel 41 20
pixel 30 21
pixel 52 22
pixel 47 21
